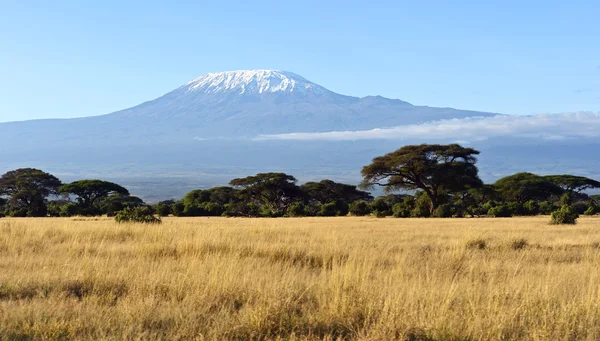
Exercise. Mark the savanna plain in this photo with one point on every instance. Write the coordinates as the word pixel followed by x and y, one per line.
pixel 300 279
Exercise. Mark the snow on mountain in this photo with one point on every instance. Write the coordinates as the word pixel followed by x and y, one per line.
pixel 253 82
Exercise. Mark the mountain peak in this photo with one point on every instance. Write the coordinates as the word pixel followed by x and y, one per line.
pixel 253 82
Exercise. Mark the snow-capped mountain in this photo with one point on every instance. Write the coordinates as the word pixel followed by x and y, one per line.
pixel 250 82
pixel 214 124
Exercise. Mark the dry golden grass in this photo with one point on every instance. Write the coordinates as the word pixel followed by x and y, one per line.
pixel 300 279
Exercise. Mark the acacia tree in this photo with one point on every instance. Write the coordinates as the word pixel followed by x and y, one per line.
pixel 572 184
pixel 435 169
pixel 88 192
pixel 327 191
pixel 27 189
pixel 274 191
pixel 522 187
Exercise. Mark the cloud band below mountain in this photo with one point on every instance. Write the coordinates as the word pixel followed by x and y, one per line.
pixel 542 126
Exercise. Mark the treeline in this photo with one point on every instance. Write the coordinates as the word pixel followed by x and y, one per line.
pixel 442 179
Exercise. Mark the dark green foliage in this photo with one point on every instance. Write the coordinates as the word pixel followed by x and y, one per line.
pixel 380 207
pixel 522 187
pixel 422 206
pixel 27 190
pixel 296 209
pixel 89 192
pixel 500 211
pixel 580 207
pixel 531 207
pixel 177 209
pixel 142 214
pixel 162 210
pixel 592 209
pixel 381 214
pixel 565 215
pixel 443 211
pixel 273 191
pixel 332 209
pixel 547 207
pixel 403 209
pixel 434 169
pixel 117 202
pixel 69 210
pixel 327 191
pixel 359 208
pixel 572 185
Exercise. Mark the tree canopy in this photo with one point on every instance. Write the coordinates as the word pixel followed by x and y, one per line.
pixel 327 191
pixel 28 188
pixel 88 192
pixel 433 168
pixel 522 187
pixel 274 190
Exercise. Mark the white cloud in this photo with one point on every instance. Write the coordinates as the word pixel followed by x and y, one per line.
pixel 543 126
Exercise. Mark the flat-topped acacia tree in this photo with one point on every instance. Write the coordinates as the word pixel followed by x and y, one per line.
pixel 435 169
pixel 88 192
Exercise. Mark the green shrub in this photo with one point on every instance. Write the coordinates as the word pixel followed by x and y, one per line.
pixel 402 210
pixel 422 207
pixel 381 214
pixel 162 209
pixel 516 209
pixel 69 210
pixel 546 207
pixel 327 210
pixel 142 214
pixel 531 207
pixel 379 204
pixel 580 207
pixel 296 209
pixel 592 209
pixel 565 215
pixel 359 208
pixel 501 211
pixel 443 211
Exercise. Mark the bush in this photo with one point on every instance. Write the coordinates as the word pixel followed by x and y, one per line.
pixel 69 210
pixel 327 210
pixel 142 214
pixel 565 215
pixel 359 208
pixel 531 208
pixel 162 209
pixel 443 211
pixel 177 209
pixel 379 205
pixel 422 207
pixel 381 214
pixel 401 210
pixel 516 209
pixel 546 207
pixel 580 207
pixel 501 211
pixel 296 209
pixel 592 209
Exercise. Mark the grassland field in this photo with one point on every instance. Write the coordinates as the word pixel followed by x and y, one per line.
pixel 300 279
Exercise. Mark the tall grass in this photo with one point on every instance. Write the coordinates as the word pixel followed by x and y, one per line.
pixel 300 279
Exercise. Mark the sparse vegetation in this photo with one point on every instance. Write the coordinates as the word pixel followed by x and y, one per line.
pixel 344 278
pixel 565 215
pixel 141 215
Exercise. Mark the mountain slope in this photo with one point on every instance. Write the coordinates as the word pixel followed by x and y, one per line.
pixel 228 105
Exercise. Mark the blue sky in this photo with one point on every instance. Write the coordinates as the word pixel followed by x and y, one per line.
pixel 76 58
